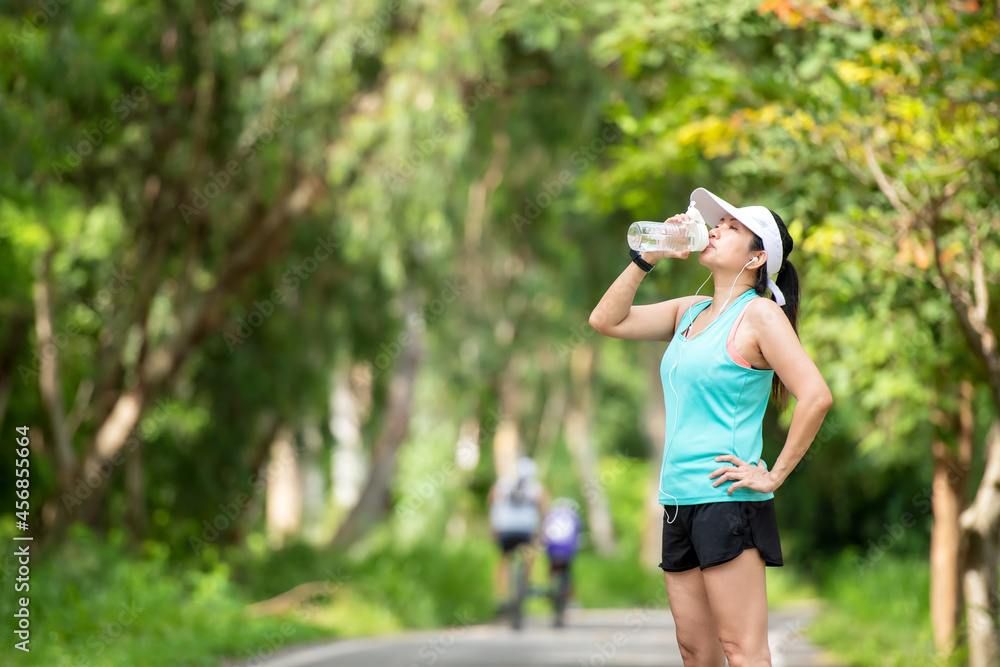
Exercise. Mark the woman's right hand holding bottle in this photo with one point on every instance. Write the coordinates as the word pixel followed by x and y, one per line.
pixel 652 256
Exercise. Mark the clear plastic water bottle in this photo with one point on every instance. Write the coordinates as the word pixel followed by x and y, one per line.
pixel 651 236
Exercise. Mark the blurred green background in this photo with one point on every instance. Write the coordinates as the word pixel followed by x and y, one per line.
pixel 286 283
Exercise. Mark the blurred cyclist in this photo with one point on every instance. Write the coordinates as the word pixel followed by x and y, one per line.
pixel 561 532
pixel 516 506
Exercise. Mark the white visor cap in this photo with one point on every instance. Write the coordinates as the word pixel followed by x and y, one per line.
pixel 755 218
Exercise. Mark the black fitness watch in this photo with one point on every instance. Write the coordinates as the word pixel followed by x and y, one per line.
pixel 639 261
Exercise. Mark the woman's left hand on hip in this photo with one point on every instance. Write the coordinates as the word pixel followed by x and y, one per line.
pixel 755 477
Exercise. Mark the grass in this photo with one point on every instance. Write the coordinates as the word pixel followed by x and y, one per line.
pixel 878 616
pixel 96 604
pixel 92 606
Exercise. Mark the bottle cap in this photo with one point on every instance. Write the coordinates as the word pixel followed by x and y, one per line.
pixel 695 214
pixel 698 230
pixel 699 236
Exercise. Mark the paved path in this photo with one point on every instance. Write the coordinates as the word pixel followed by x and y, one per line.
pixel 598 638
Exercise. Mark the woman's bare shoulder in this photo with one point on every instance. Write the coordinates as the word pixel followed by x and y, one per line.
pixel 764 312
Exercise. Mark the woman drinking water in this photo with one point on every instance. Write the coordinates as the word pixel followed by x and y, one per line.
pixel 727 354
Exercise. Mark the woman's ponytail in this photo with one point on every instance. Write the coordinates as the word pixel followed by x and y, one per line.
pixel 787 281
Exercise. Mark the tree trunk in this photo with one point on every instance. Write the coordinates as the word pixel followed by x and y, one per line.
pixel 507 437
pixel 49 381
pixel 553 415
pixel 467 446
pixel 347 464
pixel 311 478
pixel 81 495
pixel 374 501
pixel 981 548
pixel 951 473
pixel 579 436
pixel 945 590
pixel 119 408
pixel 654 425
pixel 284 491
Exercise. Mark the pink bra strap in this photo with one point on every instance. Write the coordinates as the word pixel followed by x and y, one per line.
pixel 731 340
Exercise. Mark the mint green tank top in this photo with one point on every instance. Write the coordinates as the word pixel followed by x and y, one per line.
pixel 714 406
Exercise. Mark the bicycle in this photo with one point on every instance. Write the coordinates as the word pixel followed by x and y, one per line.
pixel 521 585
pixel 561 531
pixel 559 591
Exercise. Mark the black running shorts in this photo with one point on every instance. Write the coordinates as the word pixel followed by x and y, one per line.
pixel 716 533
pixel 510 541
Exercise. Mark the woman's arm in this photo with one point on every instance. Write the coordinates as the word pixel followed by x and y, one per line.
pixel 615 315
pixel 784 353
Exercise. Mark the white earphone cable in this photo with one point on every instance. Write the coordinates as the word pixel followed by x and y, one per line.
pixel 677 396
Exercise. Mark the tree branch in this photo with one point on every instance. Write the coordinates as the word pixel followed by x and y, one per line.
pixel 83 393
pixel 296 596
pixel 885 186
pixel 925 30
pixel 49 384
pixel 204 90
pixel 981 338
pixel 979 291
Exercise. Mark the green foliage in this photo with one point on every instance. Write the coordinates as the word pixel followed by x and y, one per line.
pixel 96 604
pixel 418 586
pixel 390 152
pixel 878 619
pixel 622 580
